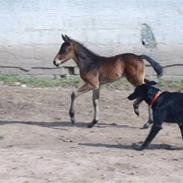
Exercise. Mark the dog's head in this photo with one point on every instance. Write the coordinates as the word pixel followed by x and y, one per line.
pixel 144 92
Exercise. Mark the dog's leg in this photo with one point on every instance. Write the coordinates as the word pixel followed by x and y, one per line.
pixel 181 129
pixel 153 132
pixel 96 94
pixel 150 120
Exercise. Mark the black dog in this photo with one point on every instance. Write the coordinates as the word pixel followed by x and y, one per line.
pixel 166 107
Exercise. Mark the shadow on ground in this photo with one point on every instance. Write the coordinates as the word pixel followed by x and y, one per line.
pixel 125 146
pixel 58 125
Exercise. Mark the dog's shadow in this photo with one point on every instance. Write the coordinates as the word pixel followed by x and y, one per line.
pixel 130 147
pixel 62 124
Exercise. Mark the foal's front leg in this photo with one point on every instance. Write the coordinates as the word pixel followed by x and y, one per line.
pixel 96 94
pixel 71 110
pixel 83 89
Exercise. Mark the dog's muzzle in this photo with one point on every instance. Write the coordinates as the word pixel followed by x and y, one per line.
pixel 137 101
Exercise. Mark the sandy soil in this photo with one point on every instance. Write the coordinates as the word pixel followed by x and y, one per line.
pixel 38 144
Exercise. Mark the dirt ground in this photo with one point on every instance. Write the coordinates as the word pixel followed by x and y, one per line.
pixel 38 144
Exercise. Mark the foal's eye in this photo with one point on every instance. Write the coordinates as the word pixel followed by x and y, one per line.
pixel 65 50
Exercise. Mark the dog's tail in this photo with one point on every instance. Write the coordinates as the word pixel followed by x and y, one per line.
pixel 156 66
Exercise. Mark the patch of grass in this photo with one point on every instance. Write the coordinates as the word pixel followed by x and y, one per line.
pixel 121 84
pixel 70 81
pixel 175 85
pixel 162 84
pixel 19 80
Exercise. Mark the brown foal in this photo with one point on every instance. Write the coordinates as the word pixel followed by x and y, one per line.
pixel 96 70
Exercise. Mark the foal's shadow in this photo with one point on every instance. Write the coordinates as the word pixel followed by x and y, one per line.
pixel 54 125
pixel 115 125
pixel 62 124
pixel 126 146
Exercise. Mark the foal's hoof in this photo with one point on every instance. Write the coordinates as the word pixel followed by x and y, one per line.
pixel 73 121
pixel 138 147
pixel 90 125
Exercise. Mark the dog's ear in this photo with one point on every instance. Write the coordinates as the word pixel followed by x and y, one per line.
pixel 151 82
pixel 151 91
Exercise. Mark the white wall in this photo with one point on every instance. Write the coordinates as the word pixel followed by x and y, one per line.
pixel 30 29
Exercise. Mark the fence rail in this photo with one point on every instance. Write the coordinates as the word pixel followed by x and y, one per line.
pixel 170 69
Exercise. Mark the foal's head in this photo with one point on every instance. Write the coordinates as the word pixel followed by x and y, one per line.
pixel 66 51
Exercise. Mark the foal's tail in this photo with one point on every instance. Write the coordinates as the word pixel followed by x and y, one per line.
pixel 156 66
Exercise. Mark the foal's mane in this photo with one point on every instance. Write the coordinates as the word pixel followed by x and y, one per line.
pixel 87 59
pixel 85 52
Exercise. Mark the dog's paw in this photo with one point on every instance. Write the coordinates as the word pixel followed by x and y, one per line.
pixel 138 147
pixel 145 126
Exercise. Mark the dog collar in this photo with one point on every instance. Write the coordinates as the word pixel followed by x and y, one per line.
pixel 156 96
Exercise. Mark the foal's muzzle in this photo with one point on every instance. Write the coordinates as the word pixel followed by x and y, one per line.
pixel 55 63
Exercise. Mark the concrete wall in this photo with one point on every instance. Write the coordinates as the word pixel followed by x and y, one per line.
pixel 30 31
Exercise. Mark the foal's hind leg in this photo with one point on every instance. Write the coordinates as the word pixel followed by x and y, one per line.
pixel 83 89
pixel 96 94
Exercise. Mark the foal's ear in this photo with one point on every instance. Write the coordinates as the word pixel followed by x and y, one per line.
pixel 66 38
